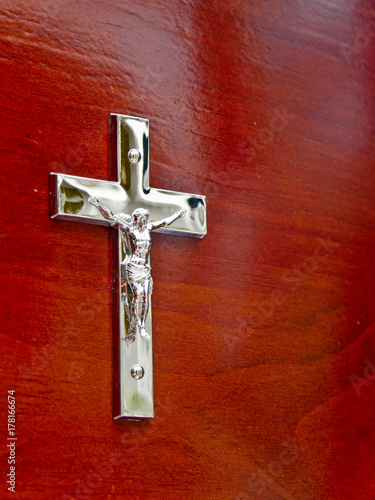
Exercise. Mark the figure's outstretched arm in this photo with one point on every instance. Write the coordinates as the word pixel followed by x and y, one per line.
pixel 107 213
pixel 168 220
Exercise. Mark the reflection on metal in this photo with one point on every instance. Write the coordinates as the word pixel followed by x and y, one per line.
pixel 137 372
pixel 129 203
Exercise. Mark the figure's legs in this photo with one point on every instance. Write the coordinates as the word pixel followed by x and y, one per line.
pixel 144 308
pixel 126 294
pixel 139 309
pixel 130 337
pixel 143 316
pixel 140 290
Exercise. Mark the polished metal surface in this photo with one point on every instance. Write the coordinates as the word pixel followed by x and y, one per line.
pixel 135 209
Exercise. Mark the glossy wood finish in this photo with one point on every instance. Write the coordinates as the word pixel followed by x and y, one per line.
pixel 261 330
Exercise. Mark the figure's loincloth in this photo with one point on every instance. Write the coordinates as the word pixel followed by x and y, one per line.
pixel 137 274
pixel 139 279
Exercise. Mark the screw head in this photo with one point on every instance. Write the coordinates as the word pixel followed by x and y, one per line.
pixel 134 156
pixel 137 372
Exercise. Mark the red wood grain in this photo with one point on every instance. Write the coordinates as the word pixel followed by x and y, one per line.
pixel 263 331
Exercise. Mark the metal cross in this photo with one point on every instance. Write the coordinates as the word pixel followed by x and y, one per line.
pixel 116 203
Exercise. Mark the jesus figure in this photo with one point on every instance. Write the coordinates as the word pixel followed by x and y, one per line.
pixel 137 233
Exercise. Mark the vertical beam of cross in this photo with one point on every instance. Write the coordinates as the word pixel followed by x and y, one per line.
pixel 128 190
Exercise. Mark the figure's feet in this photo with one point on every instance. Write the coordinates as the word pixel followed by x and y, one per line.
pixel 145 335
pixel 129 338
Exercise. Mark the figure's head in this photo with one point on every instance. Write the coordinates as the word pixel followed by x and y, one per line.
pixel 140 217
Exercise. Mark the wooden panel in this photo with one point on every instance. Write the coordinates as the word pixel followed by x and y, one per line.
pixel 263 331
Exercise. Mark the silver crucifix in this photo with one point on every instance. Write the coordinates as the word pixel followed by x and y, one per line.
pixel 129 204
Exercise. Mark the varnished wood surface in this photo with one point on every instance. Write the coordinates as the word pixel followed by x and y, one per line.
pixel 261 331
